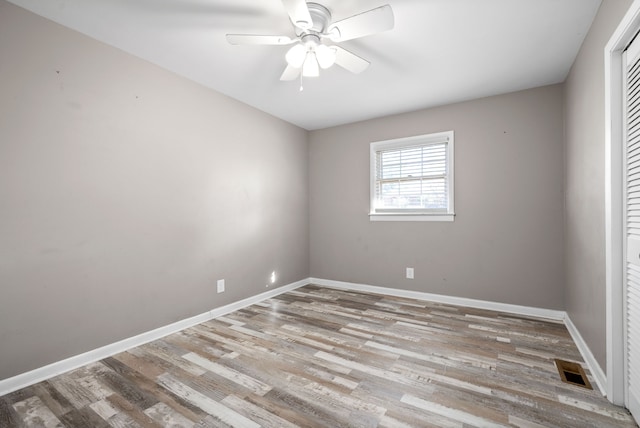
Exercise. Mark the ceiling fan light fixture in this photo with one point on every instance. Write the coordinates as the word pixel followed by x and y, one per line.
pixel 313 25
pixel 326 56
pixel 310 67
pixel 296 55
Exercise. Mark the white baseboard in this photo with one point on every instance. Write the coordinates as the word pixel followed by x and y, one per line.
pixel 596 371
pixel 43 373
pixel 549 314
pixel 558 316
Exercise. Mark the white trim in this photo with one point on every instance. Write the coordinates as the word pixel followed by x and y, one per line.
pixel 446 137
pixel 415 140
pixel 633 52
pixel 596 371
pixel 411 217
pixel 43 373
pixel 549 314
pixel 614 274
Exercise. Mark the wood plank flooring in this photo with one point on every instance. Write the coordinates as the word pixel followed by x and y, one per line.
pixel 321 357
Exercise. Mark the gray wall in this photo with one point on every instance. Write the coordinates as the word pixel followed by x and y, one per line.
pixel 126 192
pixel 584 182
pixel 506 243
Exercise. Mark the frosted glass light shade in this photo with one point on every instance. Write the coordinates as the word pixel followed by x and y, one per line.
pixel 326 56
pixel 296 55
pixel 310 67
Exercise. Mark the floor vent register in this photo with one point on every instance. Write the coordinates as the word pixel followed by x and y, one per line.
pixel 572 373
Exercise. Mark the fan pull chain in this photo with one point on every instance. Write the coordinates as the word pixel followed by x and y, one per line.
pixel 301 87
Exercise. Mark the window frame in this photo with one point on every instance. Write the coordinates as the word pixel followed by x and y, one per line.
pixel 413 214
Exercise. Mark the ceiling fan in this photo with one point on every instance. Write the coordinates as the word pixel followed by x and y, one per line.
pixel 312 22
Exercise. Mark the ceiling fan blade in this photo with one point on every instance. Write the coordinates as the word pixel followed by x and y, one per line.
pixel 254 39
pixel 370 22
pixel 299 13
pixel 350 61
pixel 290 73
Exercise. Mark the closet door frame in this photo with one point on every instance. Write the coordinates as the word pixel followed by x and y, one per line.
pixel 615 112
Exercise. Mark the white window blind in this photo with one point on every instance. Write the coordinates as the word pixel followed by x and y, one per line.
pixel 413 176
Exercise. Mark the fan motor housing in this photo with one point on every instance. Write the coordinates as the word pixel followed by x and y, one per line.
pixel 321 17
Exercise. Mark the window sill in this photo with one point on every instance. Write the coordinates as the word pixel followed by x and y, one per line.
pixel 410 217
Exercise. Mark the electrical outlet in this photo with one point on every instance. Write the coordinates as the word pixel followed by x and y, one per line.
pixel 409 273
pixel 221 286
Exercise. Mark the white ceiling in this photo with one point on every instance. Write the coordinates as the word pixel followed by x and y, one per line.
pixel 440 51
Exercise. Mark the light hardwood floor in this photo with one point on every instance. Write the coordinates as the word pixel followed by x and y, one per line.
pixel 320 357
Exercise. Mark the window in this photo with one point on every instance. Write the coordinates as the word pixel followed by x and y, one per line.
pixel 412 178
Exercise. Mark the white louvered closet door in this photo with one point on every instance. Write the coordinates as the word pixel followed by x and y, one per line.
pixel 632 229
